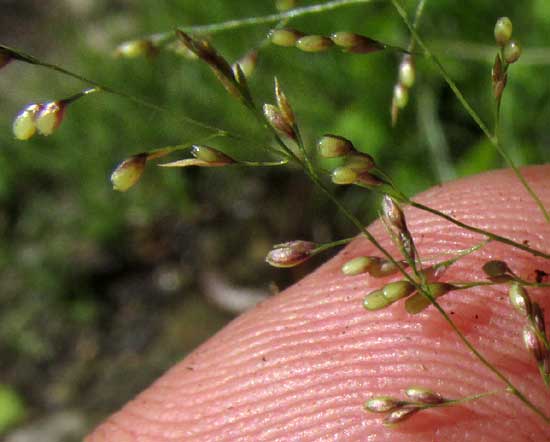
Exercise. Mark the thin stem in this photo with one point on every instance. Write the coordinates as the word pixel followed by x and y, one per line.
pixel 470 110
pixel 483 232
pixel 254 21
pixel 330 245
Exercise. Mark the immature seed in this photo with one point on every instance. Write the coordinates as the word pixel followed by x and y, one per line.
pixel 344 175
pixel 520 300
pixel 503 30
pixel 376 300
pixel 24 125
pixel 382 404
pixel 248 63
pixel 361 264
pixel 284 104
pixel 385 268
pixel 332 146
pixel 285 37
pixel 418 302
pixel 210 155
pixel 511 52
pixel 400 96
pixel 368 179
pixel 532 344
pixel 356 43
pixel 314 43
pixel 496 268
pixel 400 414
pixel 290 254
pixel 49 117
pixel 407 71
pixel 397 290
pixel 393 214
pixel 276 119
pixel 360 162
pixel 128 173
pixel 423 395
pixel 135 48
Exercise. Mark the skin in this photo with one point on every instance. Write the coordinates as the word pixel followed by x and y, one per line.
pixel 299 366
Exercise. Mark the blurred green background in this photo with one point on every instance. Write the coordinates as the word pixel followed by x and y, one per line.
pixel 100 292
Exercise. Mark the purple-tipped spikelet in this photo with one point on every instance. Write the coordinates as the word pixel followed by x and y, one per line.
pixel 128 173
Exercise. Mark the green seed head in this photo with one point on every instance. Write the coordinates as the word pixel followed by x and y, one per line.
pixel 314 43
pixel 407 72
pixel 285 37
pixel 344 175
pixel 382 404
pixel 284 104
pixel 520 300
pixel 128 173
pixel 418 302
pixel 503 31
pixel 359 265
pixel 397 290
pixel 511 52
pixel 376 300
pixel 332 146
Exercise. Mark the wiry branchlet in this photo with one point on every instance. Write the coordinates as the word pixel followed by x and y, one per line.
pixel 276 119
pixel 248 63
pixel 333 146
pixel 136 48
pixel 290 254
pixel 390 293
pixel 407 71
pixel 285 5
pixel 344 175
pixel 356 43
pixel 520 300
pixel 393 214
pixel 5 58
pixel 24 125
pixel 424 396
pixel 419 302
pixel 533 344
pixel 211 155
pixel 360 162
pixel 314 43
pixel 511 52
pixel 503 31
pixel 285 37
pixel 128 173
pixel 382 404
pixel 284 105
pixel 400 414
pixel 49 117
